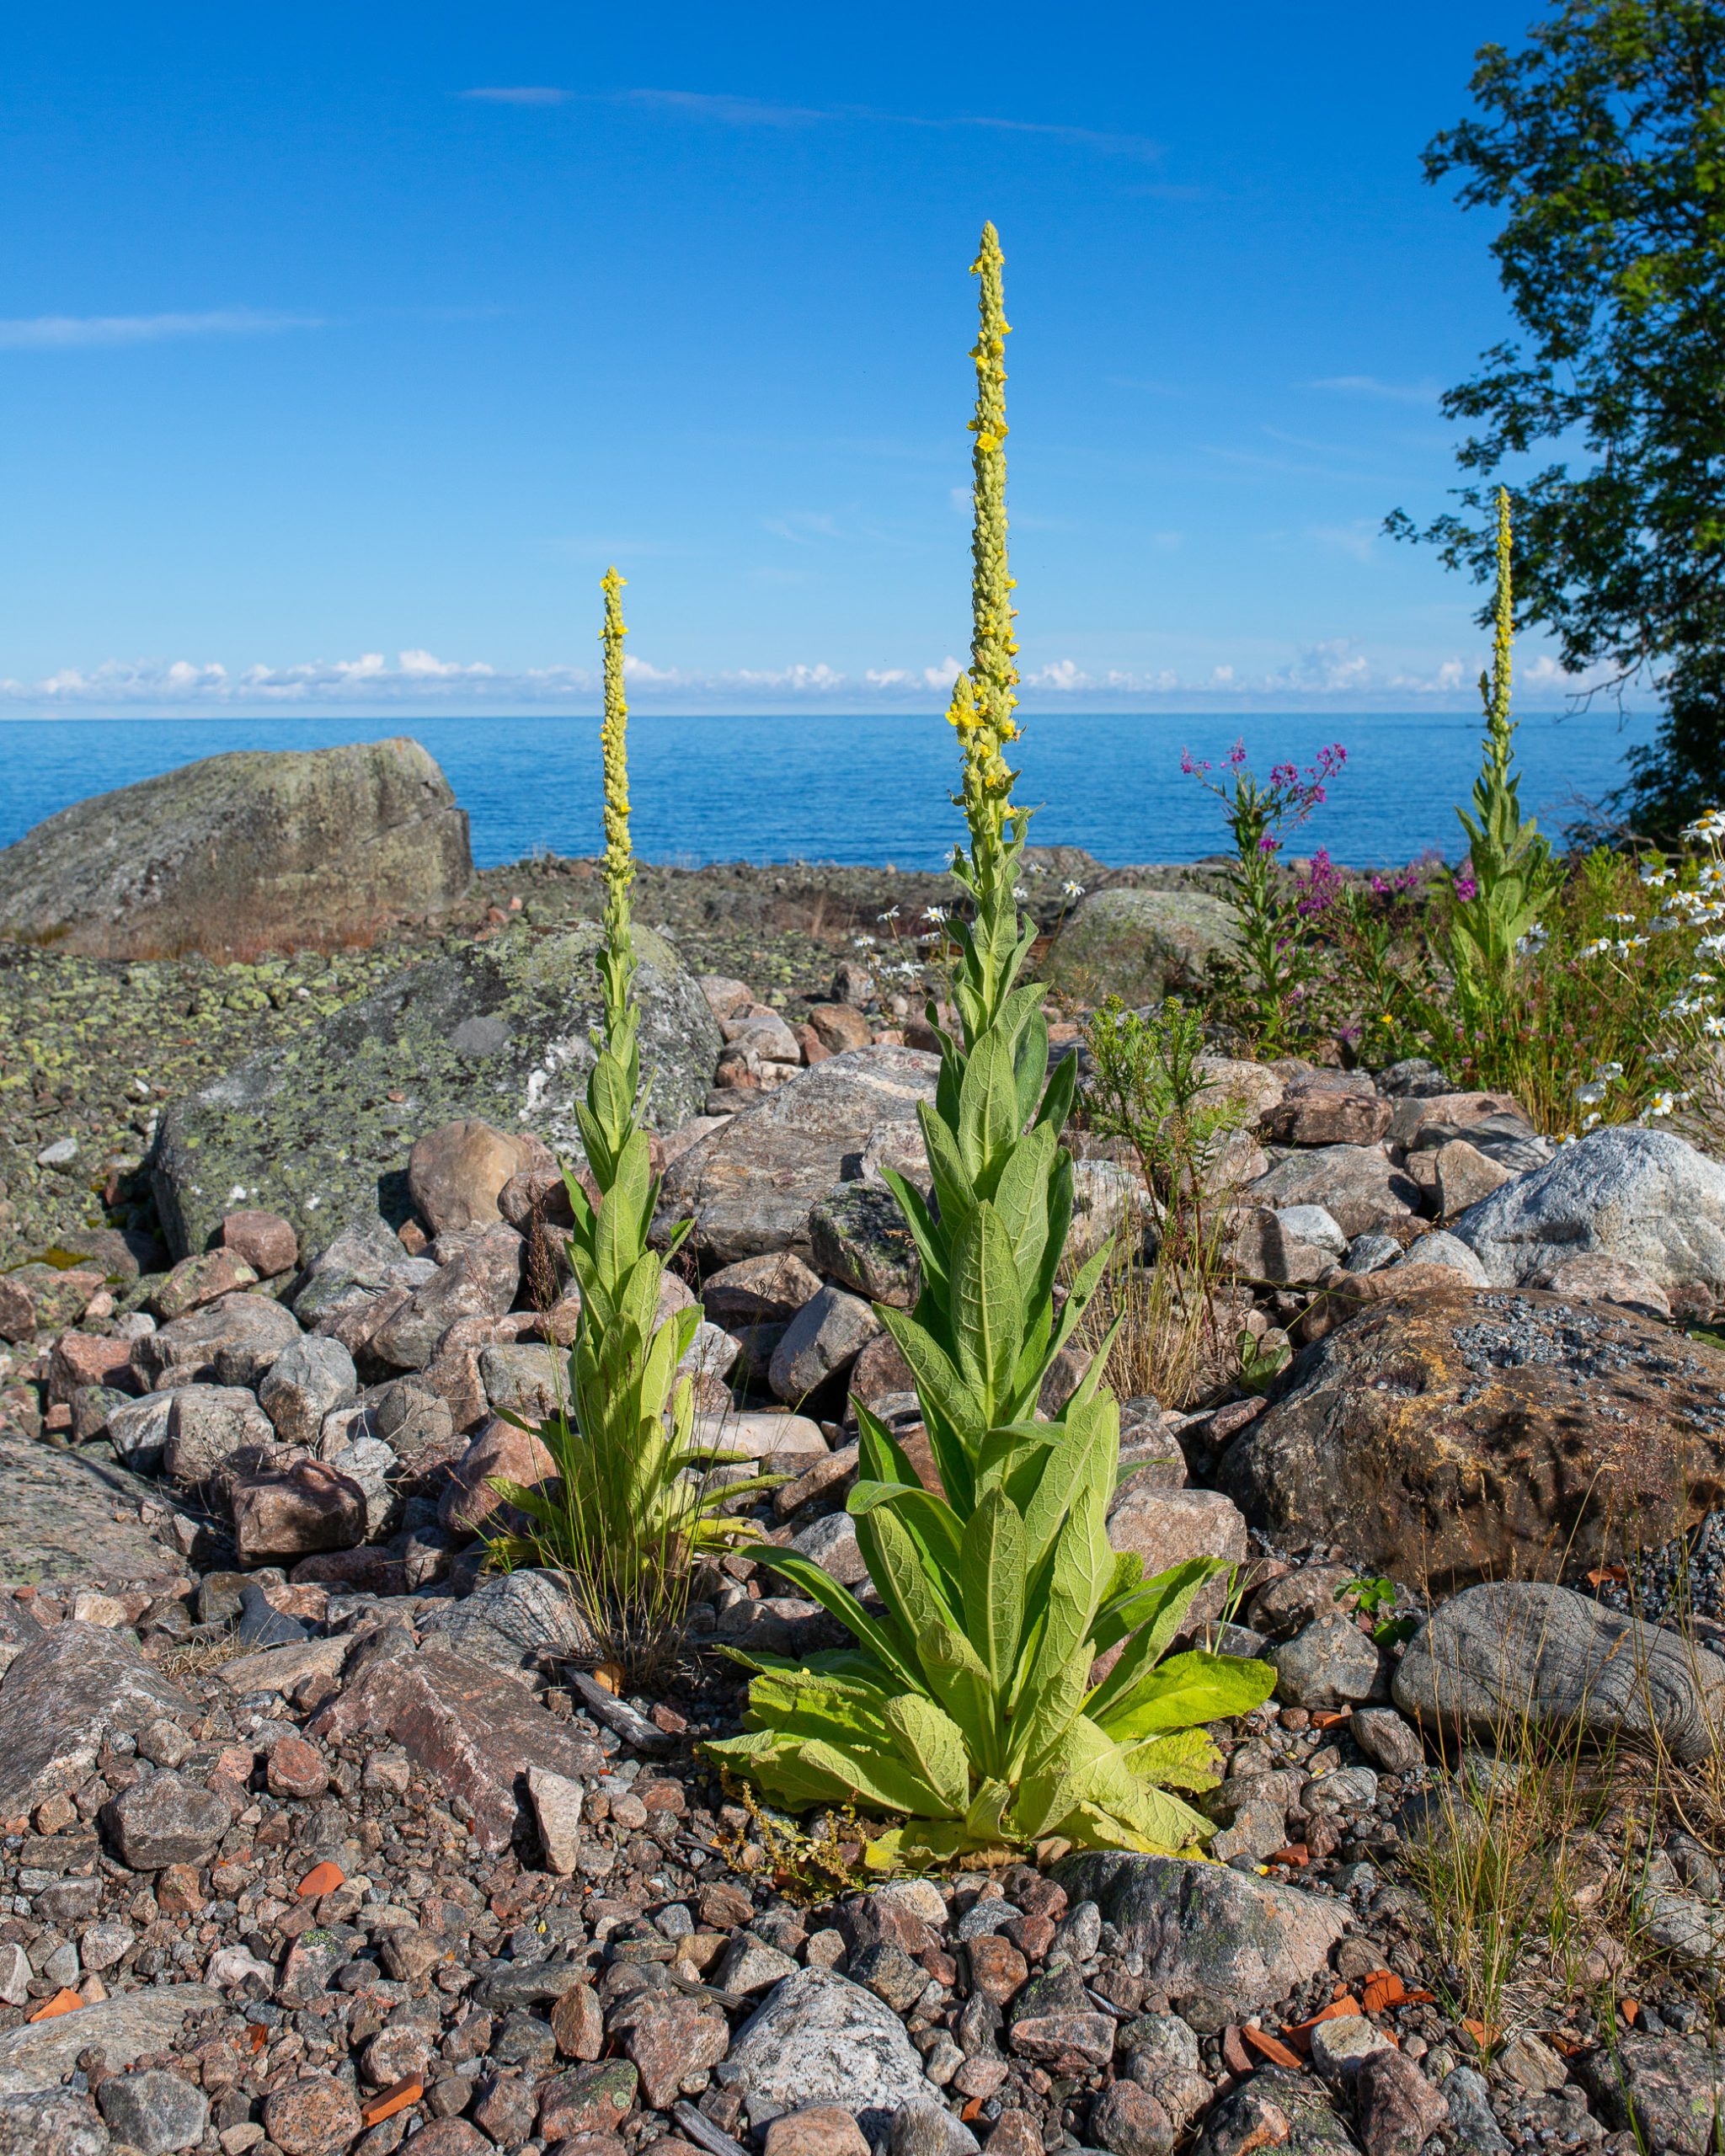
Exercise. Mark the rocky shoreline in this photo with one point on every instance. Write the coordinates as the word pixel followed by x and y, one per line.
pixel 319 1837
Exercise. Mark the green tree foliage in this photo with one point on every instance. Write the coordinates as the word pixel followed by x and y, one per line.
pixel 967 1704
pixel 1603 142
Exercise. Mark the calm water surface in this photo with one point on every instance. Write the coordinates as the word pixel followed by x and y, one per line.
pixel 817 785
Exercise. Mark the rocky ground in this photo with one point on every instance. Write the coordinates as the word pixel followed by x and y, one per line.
pixel 317 1838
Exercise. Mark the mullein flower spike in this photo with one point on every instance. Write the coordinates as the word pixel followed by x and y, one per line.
pixel 617 965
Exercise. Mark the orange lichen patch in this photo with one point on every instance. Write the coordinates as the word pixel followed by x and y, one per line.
pixel 321 1879
pixel 1270 2048
pixel 1300 2035
pixel 63 2002
pixel 388 2101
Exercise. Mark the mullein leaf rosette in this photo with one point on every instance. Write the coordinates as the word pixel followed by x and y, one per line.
pixel 966 1706
pixel 631 1496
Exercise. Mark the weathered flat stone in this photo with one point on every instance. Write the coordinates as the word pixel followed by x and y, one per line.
pixel 477 1731
pixel 73 1515
pixel 750 1186
pixel 63 1694
pixel 43 2054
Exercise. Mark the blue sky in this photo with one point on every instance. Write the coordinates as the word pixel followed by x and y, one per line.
pixel 343 347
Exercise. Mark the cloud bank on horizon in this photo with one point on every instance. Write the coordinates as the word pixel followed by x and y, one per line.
pixel 1336 672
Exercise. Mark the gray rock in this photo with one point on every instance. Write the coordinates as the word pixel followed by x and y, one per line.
pixel 259 847
pixel 479 1277
pixel 1339 2048
pixel 1356 1185
pixel 1386 1740
pixel 156 2112
pixel 56 2122
pixel 72 1516
pixel 207 1424
pixel 233 1340
pixel 832 1543
pixel 1665 2090
pixel 750 1186
pixel 42 2054
pixel 360 1262
pixel 1313 1224
pixel 1471 2119
pixel 826 1336
pixel 1513 1650
pixel 1259 1245
pixel 1643 1197
pixel 929 2129
pixel 818 2038
pixel 1440 1247
pixel 307 1379
pixel 1371 1253
pixel 262 1625
pixel 858 1238
pixel 164 1821
pixel 508 1621
pixel 139 1430
pixel 62 1695
pixel 1138 945
pixel 523 1378
pixel 766 1290
pixel 1215 1941
pixel 1330 1663
pixel 500 1031
pixel 1275 2109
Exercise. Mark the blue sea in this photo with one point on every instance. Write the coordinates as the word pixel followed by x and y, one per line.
pixel 822 787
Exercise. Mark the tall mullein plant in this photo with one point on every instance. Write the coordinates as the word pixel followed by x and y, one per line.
pixel 967 1706
pixel 633 1501
pixel 1512 874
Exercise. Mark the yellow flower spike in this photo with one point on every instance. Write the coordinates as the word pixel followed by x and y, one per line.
pixel 619 863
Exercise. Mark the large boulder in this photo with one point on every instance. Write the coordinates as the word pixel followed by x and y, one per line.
pixel 235 854
pixel 1513 1654
pixel 1463 1434
pixel 1216 1942
pixel 750 1186
pixel 1138 945
pixel 318 1129
pixel 1645 1197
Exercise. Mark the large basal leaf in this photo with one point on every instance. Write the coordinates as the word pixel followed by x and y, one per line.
pixel 933 1744
pixel 911 1587
pixel 1187 1689
pixel 959 1680
pixel 1151 1616
pixel 930 1521
pixel 882 1640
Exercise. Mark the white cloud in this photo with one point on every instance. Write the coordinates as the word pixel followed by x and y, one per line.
pixel 55 333
pixel 1369 385
pixel 1334 672
pixel 727 110
pixel 525 93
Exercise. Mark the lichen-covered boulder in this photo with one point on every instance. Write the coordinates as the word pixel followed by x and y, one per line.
pixel 319 1130
pixel 1138 945
pixel 244 852
pixel 1463 1434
